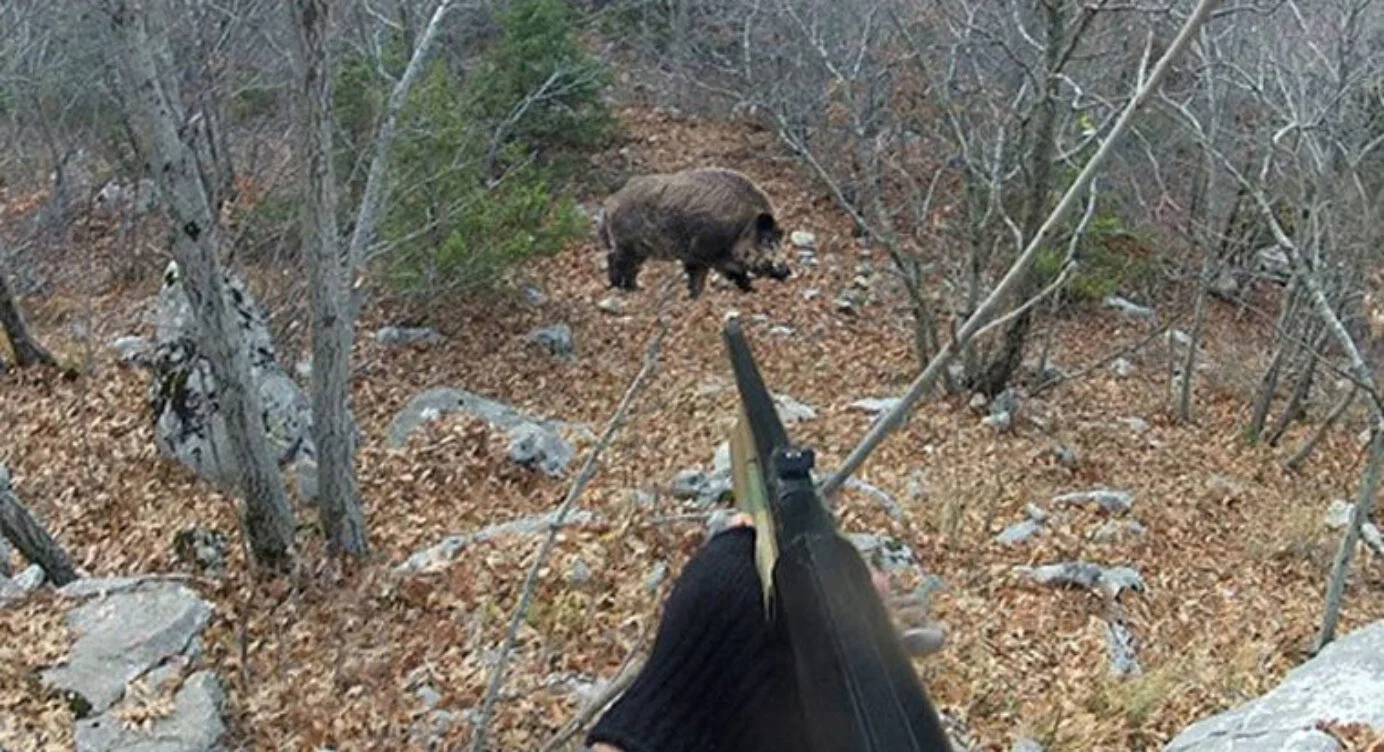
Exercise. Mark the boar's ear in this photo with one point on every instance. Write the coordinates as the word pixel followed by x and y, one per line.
pixel 767 229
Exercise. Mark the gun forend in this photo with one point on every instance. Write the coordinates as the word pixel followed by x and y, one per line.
pixel 859 690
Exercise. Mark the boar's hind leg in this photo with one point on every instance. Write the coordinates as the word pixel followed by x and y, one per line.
pixel 696 278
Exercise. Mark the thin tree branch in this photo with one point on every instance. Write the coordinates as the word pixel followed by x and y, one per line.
pixel 376 184
pixel 588 471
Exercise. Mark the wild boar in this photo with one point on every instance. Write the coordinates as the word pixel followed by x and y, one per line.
pixel 707 218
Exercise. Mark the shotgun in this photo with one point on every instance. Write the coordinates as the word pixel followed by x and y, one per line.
pixel 859 690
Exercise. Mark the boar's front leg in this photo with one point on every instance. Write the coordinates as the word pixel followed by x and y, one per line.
pixel 696 278
pixel 622 266
pixel 736 272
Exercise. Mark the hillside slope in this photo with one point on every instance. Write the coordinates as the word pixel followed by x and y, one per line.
pixel 1234 555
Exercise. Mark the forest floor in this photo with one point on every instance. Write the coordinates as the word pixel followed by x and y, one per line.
pixel 1235 554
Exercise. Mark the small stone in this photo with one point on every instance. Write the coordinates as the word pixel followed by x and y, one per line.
pixel 30 579
pixel 131 350
pixel 978 402
pixel 1066 456
pixel 921 641
pixel 1128 308
pixel 656 577
pixel 849 302
pixel 556 339
pixel 643 499
pixel 534 296
pixel 611 305
pixel 1001 422
pixel 580 574
pixel 1122 368
pixel 1019 532
pixel 874 405
pixel 811 293
pixel 1180 337
pixel 1024 744
pixel 1338 514
pixel 688 484
pixel 792 411
pixel 1115 502
pixel 407 335
pixel 1373 538
pixel 720 463
pixel 803 239
pixel 1114 530
pixel 1137 425
pixel 430 697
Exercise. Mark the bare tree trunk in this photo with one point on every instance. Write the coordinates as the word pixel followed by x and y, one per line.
pixel 29 536
pixel 1303 387
pixel 1340 567
pixel 1001 368
pixel 27 350
pixel 1189 364
pixel 1268 384
pixel 1293 463
pixel 1198 220
pixel 157 115
pixel 338 498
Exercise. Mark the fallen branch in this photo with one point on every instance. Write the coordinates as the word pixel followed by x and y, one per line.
pixel 1293 463
pixel 29 536
pixel 1103 362
pixel 588 471
pixel 1019 272
pixel 617 686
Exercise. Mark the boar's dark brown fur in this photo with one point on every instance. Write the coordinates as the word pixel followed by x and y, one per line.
pixel 707 218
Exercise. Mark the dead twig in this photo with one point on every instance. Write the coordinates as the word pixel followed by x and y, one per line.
pixel 617 686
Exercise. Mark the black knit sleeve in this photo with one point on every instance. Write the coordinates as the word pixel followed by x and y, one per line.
pixel 718 678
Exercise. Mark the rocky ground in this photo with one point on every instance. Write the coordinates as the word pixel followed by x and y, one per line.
pixel 1219 556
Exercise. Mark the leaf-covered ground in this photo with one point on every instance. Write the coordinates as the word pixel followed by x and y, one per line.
pixel 1235 555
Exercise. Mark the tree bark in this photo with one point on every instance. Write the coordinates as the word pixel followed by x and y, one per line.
pixel 27 350
pixel 338 498
pixel 29 536
pixel 157 115
pixel 1268 384
pixel 1302 388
